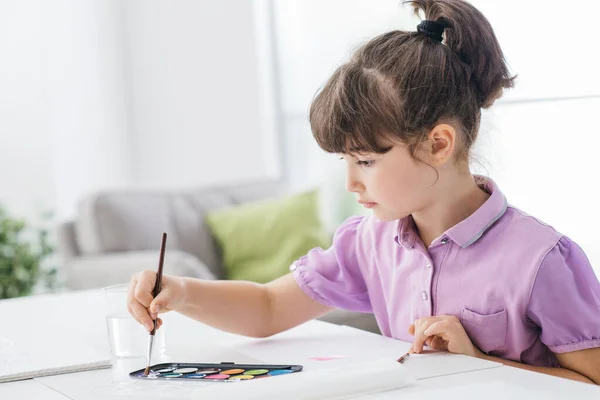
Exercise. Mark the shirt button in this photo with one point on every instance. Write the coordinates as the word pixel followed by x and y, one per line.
pixel 428 265
pixel 424 295
pixel 293 267
pixel 444 240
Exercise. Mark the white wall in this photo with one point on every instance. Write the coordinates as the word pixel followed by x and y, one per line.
pixel 62 125
pixel 193 70
pixel 551 45
pixel 25 162
pixel 87 99
pixel 103 94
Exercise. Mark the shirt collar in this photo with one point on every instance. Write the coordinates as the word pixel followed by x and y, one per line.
pixel 468 231
pixel 406 232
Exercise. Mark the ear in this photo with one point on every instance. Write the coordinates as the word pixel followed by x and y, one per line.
pixel 441 143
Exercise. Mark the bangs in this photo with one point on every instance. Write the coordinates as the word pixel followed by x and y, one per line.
pixel 357 111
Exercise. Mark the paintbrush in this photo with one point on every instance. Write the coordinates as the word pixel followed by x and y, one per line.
pixel 155 293
pixel 403 357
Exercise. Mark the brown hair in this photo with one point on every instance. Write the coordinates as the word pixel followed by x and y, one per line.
pixel 399 85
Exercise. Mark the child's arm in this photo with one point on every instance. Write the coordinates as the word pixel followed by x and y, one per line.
pixel 244 308
pixel 445 332
pixel 248 308
pixel 586 362
pixel 582 365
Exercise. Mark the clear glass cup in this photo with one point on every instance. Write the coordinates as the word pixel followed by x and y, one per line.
pixel 127 337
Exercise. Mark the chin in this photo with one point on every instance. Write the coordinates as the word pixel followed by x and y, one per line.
pixel 387 216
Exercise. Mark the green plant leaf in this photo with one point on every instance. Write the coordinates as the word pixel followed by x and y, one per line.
pixel 23 250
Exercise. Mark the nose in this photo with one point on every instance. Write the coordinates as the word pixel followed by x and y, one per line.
pixel 353 184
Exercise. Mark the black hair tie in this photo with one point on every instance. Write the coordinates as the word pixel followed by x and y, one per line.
pixel 431 29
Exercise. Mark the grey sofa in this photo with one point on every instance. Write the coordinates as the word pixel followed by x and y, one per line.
pixel 117 233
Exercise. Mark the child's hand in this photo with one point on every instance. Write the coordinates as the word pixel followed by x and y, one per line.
pixel 442 332
pixel 144 307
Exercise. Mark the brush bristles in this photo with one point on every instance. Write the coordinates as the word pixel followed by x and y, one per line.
pixel 401 359
pixel 147 371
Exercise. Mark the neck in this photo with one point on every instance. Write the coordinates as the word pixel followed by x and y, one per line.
pixel 454 202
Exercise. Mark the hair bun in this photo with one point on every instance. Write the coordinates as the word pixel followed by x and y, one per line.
pixel 431 29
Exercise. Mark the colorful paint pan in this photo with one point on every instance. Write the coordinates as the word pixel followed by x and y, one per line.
pixel 221 372
pixel 280 372
pixel 240 378
pixel 217 376
pixel 170 375
pixel 185 370
pixel 164 370
pixel 256 372
pixel 208 371
pixel 194 376
pixel 233 371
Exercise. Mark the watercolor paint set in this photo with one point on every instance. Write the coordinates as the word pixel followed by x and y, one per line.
pixel 223 372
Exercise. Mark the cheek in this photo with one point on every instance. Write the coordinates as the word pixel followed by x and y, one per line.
pixel 405 185
pixel 404 178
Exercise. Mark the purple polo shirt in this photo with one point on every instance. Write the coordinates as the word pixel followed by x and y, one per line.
pixel 521 290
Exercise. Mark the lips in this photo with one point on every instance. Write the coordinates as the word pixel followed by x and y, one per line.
pixel 367 204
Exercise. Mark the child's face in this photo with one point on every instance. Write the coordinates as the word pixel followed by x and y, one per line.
pixel 394 184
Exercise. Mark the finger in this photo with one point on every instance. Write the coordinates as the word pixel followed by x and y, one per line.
pixel 130 292
pixel 131 300
pixel 419 343
pixel 439 328
pixel 161 302
pixel 438 343
pixel 411 329
pixel 145 287
pixel 420 338
pixel 140 313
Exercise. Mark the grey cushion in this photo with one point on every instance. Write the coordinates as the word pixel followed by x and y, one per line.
pixel 94 271
pixel 122 221
pixel 125 221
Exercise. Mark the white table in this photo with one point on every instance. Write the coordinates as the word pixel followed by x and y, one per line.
pixel 77 319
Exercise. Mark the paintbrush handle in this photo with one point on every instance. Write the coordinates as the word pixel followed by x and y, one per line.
pixel 159 274
pixel 161 260
pixel 155 292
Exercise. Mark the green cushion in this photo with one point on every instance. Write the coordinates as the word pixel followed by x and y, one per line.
pixel 260 240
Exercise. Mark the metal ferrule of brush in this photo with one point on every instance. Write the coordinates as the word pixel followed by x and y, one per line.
pixel 150 345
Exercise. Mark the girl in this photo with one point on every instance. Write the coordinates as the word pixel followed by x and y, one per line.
pixel 444 261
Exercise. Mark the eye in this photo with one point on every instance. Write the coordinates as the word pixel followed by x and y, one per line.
pixel 365 163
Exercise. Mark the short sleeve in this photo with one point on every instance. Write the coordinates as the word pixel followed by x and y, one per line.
pixel 565 300
pixel 333 277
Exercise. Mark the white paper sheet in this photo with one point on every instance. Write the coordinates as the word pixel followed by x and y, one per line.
pixel 337 383
pixel 342 346
pixel 117 384
pixel 17 363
